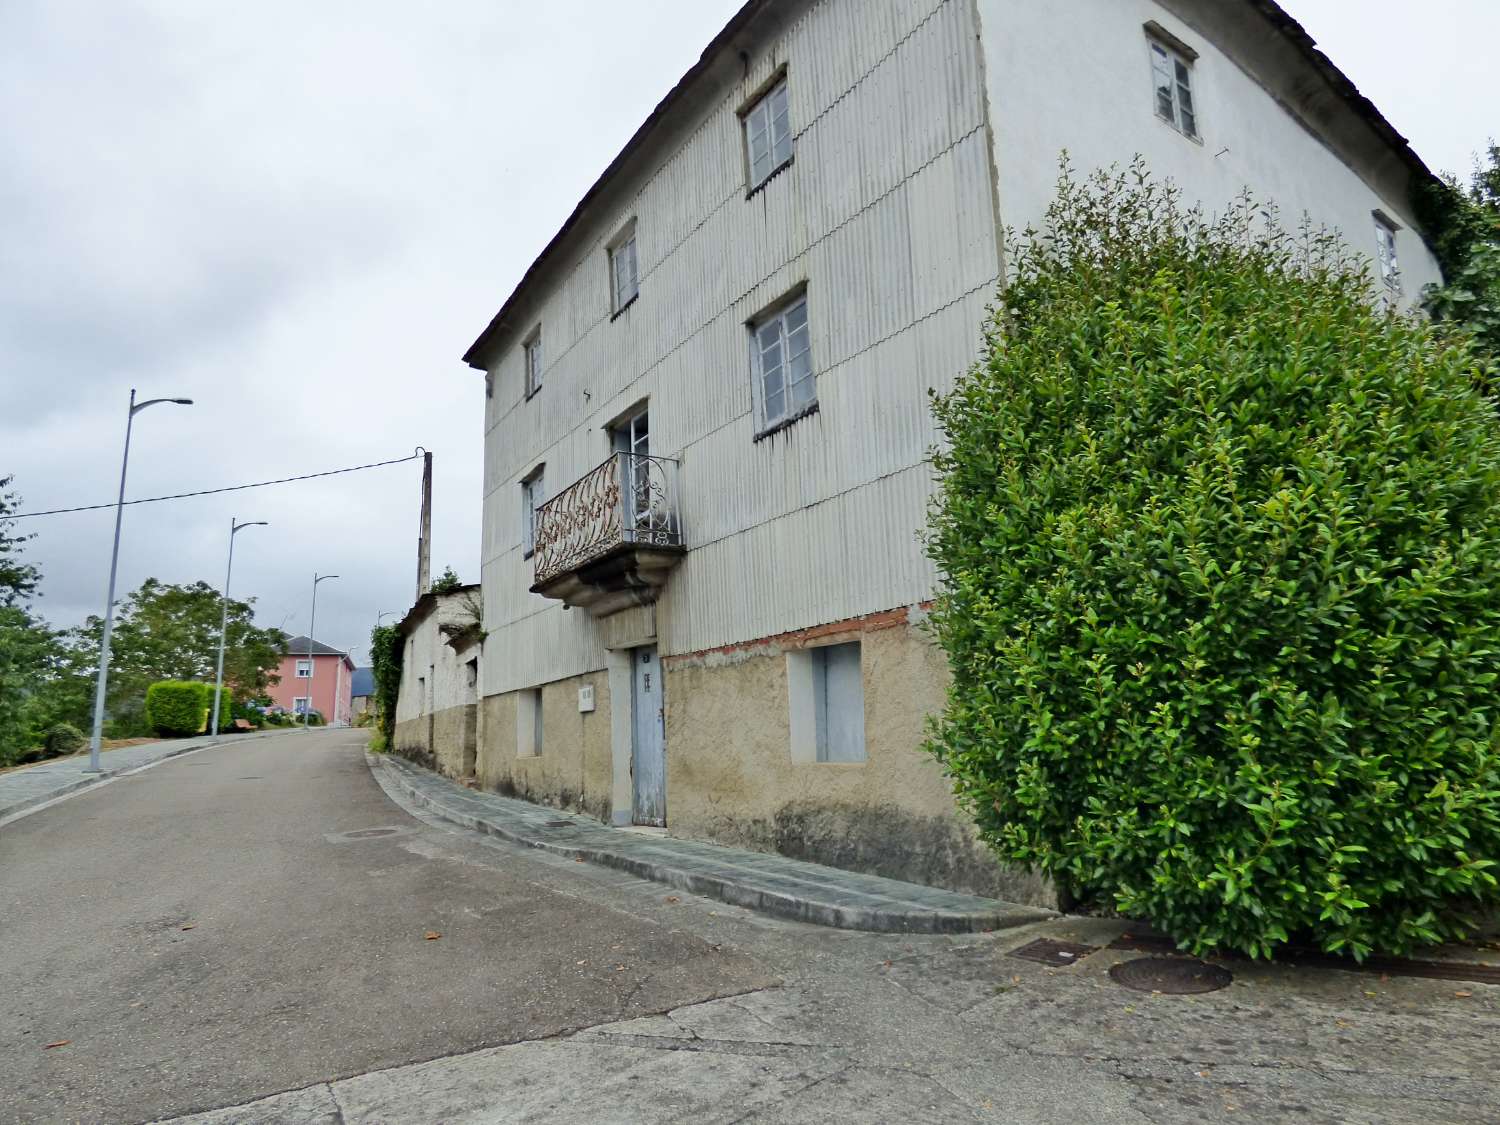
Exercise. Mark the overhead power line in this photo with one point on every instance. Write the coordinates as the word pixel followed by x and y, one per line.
pixel 231 488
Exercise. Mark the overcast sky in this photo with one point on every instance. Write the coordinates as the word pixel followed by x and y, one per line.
pixel 300 215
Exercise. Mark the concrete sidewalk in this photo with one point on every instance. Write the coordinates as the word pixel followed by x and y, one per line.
pixel 772 884
pixel 26 788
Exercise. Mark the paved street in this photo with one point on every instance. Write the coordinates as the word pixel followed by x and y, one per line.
pixel 205 935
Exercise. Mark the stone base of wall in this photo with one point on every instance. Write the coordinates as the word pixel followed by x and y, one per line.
pixel 574 771
pixel 446 741
pixel 731 777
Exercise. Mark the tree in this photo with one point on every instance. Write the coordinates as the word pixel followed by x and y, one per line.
pixel 447 582
pixel 1219 546
pixel 27 646
pixel 171 632
pixel 1464 221
pixel 18 579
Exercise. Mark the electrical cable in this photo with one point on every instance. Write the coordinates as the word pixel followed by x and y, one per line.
pixel 420 452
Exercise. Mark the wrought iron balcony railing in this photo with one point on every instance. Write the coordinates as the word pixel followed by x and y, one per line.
pixel 630 499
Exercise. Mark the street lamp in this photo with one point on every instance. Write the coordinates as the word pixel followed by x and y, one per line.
pixel 234 529
pixel 114 562
pixel 312 663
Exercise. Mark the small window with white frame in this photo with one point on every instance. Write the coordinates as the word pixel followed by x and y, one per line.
pixel 1172 81
pixel 300 704
pixel 304 669
pixel 531 499
pixel 532 350
pixel 1386 254
pixel 624 273
pixel 781 364
pixel 768 134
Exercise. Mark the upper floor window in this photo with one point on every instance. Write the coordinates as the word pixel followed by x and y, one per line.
pixel 533 350
pixel 1385 243
pixel 531 499
pixel 781 358
pixel 768 135
pixel 1172 78
pixel 625 283
pixel 304 669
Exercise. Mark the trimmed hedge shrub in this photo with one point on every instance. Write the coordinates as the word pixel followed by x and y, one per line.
pixel 1220 547
pixel 177 708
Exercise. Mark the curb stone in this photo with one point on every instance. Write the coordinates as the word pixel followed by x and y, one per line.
pixel 770 884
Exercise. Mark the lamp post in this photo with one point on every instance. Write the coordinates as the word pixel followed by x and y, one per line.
pixel 114 562
pixel 234 529
pixel 312 663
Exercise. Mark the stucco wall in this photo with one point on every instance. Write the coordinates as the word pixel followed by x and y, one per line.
pixel 731 777
pixel 574 771
pixel 1267 120
pixel 437 704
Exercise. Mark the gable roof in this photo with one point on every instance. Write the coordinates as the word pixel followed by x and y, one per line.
pixel 480 351
pixel 298 646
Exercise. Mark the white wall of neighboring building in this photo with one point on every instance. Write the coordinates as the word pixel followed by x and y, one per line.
pixel 1076 75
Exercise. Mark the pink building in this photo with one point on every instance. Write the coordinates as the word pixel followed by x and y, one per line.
pixel 330 673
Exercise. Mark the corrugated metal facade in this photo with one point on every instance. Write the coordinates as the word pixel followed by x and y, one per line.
pixel 887 216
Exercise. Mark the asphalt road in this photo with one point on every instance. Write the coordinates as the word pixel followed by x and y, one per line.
pixel 202 934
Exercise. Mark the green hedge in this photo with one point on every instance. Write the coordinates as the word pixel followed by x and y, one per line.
pixel 1220 550
pixel 178 708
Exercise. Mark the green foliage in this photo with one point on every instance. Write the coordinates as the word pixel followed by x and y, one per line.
pixel 18 579
pixel 378 742
pixel 62 739
pixel 448 582
pixel 1464 221
pixel 169 632
pixel 28 649
pixel 177 708
pixel 387 650
pixel 1220 553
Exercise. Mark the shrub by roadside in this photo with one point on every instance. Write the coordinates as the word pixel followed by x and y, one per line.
pixel 1220 547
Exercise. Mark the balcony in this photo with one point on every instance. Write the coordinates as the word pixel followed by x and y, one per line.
pixel 609 540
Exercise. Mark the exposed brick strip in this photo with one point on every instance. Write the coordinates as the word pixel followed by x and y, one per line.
pixel 801 638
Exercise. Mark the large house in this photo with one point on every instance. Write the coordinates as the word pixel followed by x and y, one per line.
pixel 317 675
pixel 706 403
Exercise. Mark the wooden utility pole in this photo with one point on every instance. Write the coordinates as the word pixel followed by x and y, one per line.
pixel 424 532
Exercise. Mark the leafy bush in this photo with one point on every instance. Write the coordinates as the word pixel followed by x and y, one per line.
pixel 1220 546
pixel 387 652
pixel 62 739
pixel 176 708
pixel 315 718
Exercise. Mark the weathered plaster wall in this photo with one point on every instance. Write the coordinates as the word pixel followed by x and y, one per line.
pixel 731 778
pixel 574 771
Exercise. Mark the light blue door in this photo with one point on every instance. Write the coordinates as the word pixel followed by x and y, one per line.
pixel 648 759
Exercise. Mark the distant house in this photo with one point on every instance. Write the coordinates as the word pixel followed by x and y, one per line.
pixel 312 671
pixel 437 705
pixel 362 698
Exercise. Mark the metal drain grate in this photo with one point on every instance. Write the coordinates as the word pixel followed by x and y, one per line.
pixel 561 824
pixel 1171 976
pixel 1045 951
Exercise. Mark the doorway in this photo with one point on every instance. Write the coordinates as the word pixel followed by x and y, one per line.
pixel 632 436
pixel 648 756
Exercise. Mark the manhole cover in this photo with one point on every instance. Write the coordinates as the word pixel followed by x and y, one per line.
pixel 562 824
pixel 1173 976
pixel 1045 951
pixel 371 833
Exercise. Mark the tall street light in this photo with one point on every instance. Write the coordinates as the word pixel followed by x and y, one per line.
pixel 114 562
pixel 234 529
pixel 312 663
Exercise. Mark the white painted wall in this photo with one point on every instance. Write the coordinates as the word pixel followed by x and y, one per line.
pixel 428 656
pixel 1076 75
